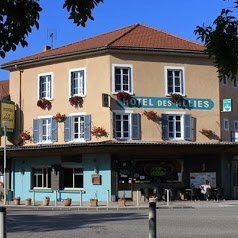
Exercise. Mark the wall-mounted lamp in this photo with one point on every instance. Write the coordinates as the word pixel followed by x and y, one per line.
pixel 22 171
pixel 96 169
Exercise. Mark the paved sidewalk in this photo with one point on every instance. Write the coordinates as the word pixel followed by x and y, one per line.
pixel 129 205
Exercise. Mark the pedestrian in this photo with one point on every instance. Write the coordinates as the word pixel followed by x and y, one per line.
pixel 204 188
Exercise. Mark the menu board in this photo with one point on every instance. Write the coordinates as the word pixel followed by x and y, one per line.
pixel 197 179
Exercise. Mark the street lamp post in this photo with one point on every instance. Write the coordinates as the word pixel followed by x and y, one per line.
pixel 4 124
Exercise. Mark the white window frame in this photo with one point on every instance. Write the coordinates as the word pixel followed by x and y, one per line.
pixel 226 125
pixel 130 83
pixel 41 118
pixel 129 113
pixel 235 125
pixel 181 114
pixel 74 167
pixel 50 91
pixel 42 176
pixel 72 131
pixel 182 82
pixel 81 83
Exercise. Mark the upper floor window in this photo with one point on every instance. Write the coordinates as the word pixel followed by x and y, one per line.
pixel 177 126
pixel 122 78
pixel 41 178
pixel 174 80
pixel 72 178
pixel 77 82
pixel 45 86
pixel 126 126
pixel 77 128
pixel 234 83
pixel 224 80
pixel 226 125
pixel 235 125
pixel 45 130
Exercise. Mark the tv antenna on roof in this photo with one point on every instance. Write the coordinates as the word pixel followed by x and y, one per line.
pixel 52 35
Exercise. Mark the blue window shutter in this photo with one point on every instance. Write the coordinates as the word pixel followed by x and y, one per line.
pixel 188 127
pixel 50 87
pixel 87 127
pixel 165 127
pixel 114 124
pixel 182 83
pixel 40 87
pixel 135 122
pixel 54 130
pixel 67 129
pixel 36 123
pixel 72 84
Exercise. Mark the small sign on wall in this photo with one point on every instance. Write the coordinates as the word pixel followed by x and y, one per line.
pixel 96 179
pixel 227 105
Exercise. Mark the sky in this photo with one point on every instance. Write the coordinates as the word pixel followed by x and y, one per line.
pixel 176 17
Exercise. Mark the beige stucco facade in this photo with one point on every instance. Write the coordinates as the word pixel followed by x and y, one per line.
pixel 200 80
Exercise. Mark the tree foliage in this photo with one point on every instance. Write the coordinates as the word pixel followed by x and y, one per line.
pixel 18 17
pixel 221 41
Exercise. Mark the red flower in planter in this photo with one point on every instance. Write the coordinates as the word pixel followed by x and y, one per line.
pixel 175 97
pixel 151 115
pixel 76 101
pixel 123 95
pixel 44 103
pixel 59 117
pixel 99 132
pixel 23 136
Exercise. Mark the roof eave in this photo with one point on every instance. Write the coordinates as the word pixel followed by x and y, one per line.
pixel 70 55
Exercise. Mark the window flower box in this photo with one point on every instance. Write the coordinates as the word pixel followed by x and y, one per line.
pixel 176 98
pixel 206 132
pixel 60 117
pixel 44 103
pixel 99 132
pixel 151 115
pixel 23 136
pixel 76 101
pixel 123 96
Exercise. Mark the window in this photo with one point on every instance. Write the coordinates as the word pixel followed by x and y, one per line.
pixel 41 178
pixel 77 83
pixel 77 128
pixel 236 125
pixel 72 178
pixel 45 130
pixel 177 127
pixel 234 83
pixel 224 80
pixel 174 80
pixel 126 126
pixel 122 78
pixel 45 86
pixel 226 125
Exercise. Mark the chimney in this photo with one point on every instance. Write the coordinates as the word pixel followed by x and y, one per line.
pixel 46 47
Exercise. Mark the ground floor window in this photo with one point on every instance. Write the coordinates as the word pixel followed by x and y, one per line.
pixel 72 178
pixel 41 178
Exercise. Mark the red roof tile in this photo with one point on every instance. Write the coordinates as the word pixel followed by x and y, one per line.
pixel 136 36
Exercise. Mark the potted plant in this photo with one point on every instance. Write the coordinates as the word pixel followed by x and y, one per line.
pixel 93 202
pixel 99 132
pixel 28 201
pixel 44 103
pixel 123 95
pixel 17 200
pixel 67 201
pixel 122 202
pixel 206 132
pixel 46 201
pixel 176 98
pixel 151 115
pixel 76 101
pixel 59 117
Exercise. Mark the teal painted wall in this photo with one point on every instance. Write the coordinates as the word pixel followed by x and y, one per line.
pixel 21 182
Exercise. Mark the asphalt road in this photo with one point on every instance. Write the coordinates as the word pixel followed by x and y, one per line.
pixel 171 223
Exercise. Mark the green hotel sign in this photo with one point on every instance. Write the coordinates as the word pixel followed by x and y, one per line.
pixel 164 102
